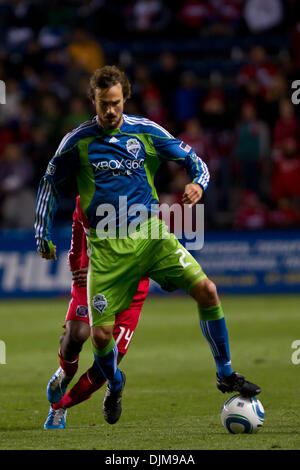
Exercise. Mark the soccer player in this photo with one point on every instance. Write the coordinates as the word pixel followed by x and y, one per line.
pixel 113 158
pixel 78 331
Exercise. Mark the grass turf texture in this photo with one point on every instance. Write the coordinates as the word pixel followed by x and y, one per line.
pixel 170 401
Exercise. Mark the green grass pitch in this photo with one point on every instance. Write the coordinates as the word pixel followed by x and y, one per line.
pixel 170 400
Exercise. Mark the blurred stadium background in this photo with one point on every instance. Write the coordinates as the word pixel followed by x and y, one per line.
pixel 217 73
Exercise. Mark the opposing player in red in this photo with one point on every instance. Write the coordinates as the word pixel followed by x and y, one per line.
pixel 77 331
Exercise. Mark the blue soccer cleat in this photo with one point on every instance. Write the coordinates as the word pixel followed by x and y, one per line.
pixel 57 386
pixel 56 419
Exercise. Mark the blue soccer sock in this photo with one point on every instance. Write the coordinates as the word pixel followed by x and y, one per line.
pixel 213 326
pixel 106 360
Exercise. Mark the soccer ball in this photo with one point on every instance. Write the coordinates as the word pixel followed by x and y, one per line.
pixel 242 415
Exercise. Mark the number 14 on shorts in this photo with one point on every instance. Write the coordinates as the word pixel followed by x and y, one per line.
pixel 126 334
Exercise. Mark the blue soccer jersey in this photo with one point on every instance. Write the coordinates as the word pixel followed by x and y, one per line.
pixel 111 164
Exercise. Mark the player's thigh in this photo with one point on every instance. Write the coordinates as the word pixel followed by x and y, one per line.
pixel 78 307
pixel 76 331
pixel 111 289
pixel 175 268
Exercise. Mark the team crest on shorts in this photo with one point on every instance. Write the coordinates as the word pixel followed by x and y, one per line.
pixel 82 311
pixel 133 146
pixel 99 303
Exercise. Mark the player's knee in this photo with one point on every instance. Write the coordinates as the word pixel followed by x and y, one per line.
pixel 205 293
pixel 62 339
pixel 209 293
pixel 101 336
pixel 77 333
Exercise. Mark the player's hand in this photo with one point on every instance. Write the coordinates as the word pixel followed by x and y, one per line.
pixel 50 253
pixel 192 194
pixel 79 277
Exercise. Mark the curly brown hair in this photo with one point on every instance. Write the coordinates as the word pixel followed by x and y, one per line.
pixel 108 76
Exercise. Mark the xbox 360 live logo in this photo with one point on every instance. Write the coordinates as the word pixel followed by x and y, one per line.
pixel 2 92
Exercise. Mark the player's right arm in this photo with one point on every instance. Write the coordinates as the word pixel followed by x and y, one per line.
pixel 61 167
pixel 172 149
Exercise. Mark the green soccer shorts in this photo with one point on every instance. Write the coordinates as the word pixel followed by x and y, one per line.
pixel 116 266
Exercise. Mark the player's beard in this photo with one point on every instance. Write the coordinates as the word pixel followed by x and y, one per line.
pixel 111 124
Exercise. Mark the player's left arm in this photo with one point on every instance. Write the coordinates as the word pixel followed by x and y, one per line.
pixel 169 148
pixel 61 168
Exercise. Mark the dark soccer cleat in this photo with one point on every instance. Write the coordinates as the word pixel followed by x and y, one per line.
pixel 237 383
pixel 112 403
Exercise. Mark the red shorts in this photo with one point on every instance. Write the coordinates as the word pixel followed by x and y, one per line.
pixel 126 321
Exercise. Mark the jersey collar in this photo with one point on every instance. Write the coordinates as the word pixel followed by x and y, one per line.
pixel 109 131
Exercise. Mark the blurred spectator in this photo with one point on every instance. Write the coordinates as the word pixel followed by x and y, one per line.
pixel 59 14
pixel 252 146
pixel 166 78
pixel 287 124
pixel 193 13
pixel 286 172
pixel 92 15
pixel 25 122
pixel 49 84
pixel 291 12
pixel 187 97
pixel 144 85
pixel 263 15
pixel 30 80
pixel 34 56
pixel 193 135
pixel 39 150
pixel 17 199
pixel 256 76
pixel 285 215
pixel 55 63
pixel 195 89
pixel 6 16
pixel 268 105
pixel 147 16
pixel 50 37
pixel 84 51
pixel 206 148
pixel 214 111
pixel 217 124
pixel 27 14
pixel 149 96
pixel 6 137
pixel 295 44
pixel 225 16
pixel 77 115
pixel 154 109
pixel 251 214
pixel 50 117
